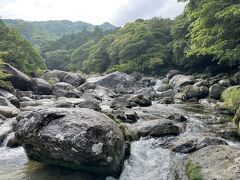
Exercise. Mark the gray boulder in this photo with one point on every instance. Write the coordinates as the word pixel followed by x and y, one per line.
pixel 215 91
pixel 117 82
pixel 80 139
pixel 41 87
pixel 55 74
pixel 154 128
pixel 18 79
pixel 7 109
pixel 236 78
pixel 164 87
pixel 13 99
pixel 179 81
pixel 195 92
pixel 172 73
pixel 74 79
pixel 5 129
pixel 214 162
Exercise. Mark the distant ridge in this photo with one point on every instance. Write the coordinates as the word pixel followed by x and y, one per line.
pixel 40 32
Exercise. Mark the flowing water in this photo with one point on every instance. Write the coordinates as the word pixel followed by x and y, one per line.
pixel 148 160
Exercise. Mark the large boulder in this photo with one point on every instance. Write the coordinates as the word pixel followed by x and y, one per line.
pixel 195 92
pixel 117 82
pixel 55 75
pixel 172 73
pixel 18 79
pixel 7 109
pixel 214 162
pixel 179 81
pixel 80 139
pixel 154 128
pixel 215 91
pixel 74 79
pixel 41 87
pixel 13 99
pixel 63 89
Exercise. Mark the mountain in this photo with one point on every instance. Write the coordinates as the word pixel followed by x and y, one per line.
pixel 40 32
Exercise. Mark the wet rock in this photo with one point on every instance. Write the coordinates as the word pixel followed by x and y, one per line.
pixel 74 79
pixel 179 81
pixel 164 87
pixel 154 128
pixel 215 91
pixel 166 94
pixel 125 115
pixel 177 117
pixel 172 73
pixel 18 79
pixel 80 139
pixel 191 144
pixel 117 82
pixel 131 116
pixel 224 82
pixel 36 104
pixel 5 129
pixel 12 142
pixel 139 100
pixel 26 99
pixel 214 162
pixel 7 109
pixel 41 87
pixel 13 99
pixel 195 92
pixel 166 100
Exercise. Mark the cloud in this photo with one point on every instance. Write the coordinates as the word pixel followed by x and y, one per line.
pixel 93 11
pixel 145 9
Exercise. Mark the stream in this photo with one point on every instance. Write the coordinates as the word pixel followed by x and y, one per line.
pixel 149 158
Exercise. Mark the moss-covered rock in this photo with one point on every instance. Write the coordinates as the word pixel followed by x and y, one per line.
pixel 193 171
pixel 231 97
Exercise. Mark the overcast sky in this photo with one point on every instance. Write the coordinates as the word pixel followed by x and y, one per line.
pixel 117 12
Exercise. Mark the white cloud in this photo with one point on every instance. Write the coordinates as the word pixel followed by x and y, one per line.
pixel 92 11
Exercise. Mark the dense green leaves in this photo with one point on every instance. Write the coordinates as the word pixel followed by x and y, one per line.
pixel 19 52
pixel 208 31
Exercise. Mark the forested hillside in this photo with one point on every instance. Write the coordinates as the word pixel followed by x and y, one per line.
pixel 17 51
pixel 41 32
pixel 204 36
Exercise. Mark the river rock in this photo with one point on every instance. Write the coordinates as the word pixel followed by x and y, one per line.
pixel 90 104
pixel 41 87
pixel 36 104
pixel 13 99
pixel 139 100
pixel 104 92
pixel 215 91
pixel 117 82
pixel 214 162
pixel 164 87
pixel 195 92
pixel 166 94
pixel 74 79
pixel 172 73
pixel 7 109
pixel 5 129
pixel 18 79
pixel 191 144
pixel 80 139
pixel 179 81
pixel 236 78
pixel 55 74
pixel 154 128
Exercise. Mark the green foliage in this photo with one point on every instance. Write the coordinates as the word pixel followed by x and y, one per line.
pixel 57 59
pixel 19 52
pixel 4 83
pixel 38 33
pixel 208 32
pixel 231 97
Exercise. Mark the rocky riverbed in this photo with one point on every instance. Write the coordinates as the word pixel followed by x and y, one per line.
pixel 118 126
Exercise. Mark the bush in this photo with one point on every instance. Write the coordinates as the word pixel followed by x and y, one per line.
pixel 231 97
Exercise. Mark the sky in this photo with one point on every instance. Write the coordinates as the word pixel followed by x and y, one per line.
pixel 117 12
